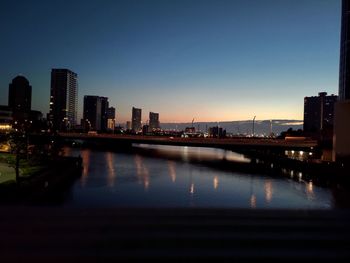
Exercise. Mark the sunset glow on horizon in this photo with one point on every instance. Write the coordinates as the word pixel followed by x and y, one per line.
pixel 207 60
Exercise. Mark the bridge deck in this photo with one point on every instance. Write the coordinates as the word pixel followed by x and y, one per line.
pixel 244 143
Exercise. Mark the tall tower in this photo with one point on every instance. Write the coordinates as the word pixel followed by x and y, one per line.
pixel 153 120
pixel 344 63
pixel 63 99
pixel 136 119
pixel 341 139
pixel 92 112
pixel 104 113
pixel 20 96
pixel 111 118
pixel 319 113
pixel 95 112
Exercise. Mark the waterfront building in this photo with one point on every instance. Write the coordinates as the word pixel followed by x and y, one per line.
pixel 136 119
pixel 319 112
pixel 104 113
pixel 153 121
pixel 217 132
pixel 341 140
pixel 344 67
pixel 95 113
pixel 145 129
pixel 20 98
pixel 111 118
pixel 63 99
pixel 128 125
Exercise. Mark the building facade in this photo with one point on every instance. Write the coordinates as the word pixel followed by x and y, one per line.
pixel 111 118
pixel 20 98
pixel 344 66
pixel 153 121
pixel 95 113
pixel 63 99
pixel 216 132
pixel 104 113
pixel 341 139
pixel 319 112
pixel 136 119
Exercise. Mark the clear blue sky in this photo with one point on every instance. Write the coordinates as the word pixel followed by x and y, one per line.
pixel 211 60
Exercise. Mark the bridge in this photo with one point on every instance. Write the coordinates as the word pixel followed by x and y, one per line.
pixel 236 144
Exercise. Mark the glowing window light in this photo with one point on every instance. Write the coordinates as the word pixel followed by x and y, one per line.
pixel 5 126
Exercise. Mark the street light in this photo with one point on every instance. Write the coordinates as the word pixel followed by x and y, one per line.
pixel 253 126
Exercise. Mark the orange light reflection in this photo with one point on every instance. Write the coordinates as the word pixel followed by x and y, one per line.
pixel 172 170
pixel 142 172
pixel 111 171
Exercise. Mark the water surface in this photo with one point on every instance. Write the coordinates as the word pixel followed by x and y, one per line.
pixel 166 177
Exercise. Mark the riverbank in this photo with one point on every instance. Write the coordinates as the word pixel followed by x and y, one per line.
pixel 47 185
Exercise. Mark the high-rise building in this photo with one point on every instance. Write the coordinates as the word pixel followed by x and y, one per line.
pixel 111 118
pixel 341 140
pixel 20 97
pixel 95 113
pixel 153 120
pixel 319 112
pixel 344 66
pixel 136 119
pixel 63 99
pixel 92 113
pixel 104 113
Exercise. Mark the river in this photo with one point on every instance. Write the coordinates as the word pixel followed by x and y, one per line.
pixel 165 176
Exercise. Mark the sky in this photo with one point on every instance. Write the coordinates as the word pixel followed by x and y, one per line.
pixel 212 60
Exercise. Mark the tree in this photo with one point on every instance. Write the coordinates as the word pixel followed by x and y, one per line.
pixel 19 144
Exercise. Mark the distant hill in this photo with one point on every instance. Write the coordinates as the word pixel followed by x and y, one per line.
pixel 241 127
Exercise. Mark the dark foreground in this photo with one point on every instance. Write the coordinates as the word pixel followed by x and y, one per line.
pixel 173 235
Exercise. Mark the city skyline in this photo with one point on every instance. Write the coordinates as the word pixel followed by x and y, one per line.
pixel 203 60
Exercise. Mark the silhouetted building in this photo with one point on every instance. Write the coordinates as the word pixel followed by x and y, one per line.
pixel 153 121
pixel 104 113
pixel 128 125
pixel 319 112
pixel 63 99
pixel 136 119
pixel 92 113
pixel 20 98
pixel 344 66
pixel 145 129
pixel 341 140
pixel 111 118
pixel 217 132
pixel 95 113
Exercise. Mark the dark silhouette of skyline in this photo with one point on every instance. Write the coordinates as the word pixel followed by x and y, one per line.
pixel 20 95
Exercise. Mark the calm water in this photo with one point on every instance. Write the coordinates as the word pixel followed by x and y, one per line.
pixel 166 177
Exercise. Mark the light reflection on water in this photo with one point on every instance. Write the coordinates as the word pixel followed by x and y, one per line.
pixel 112 179
pixel 111 170
pixel 198 153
